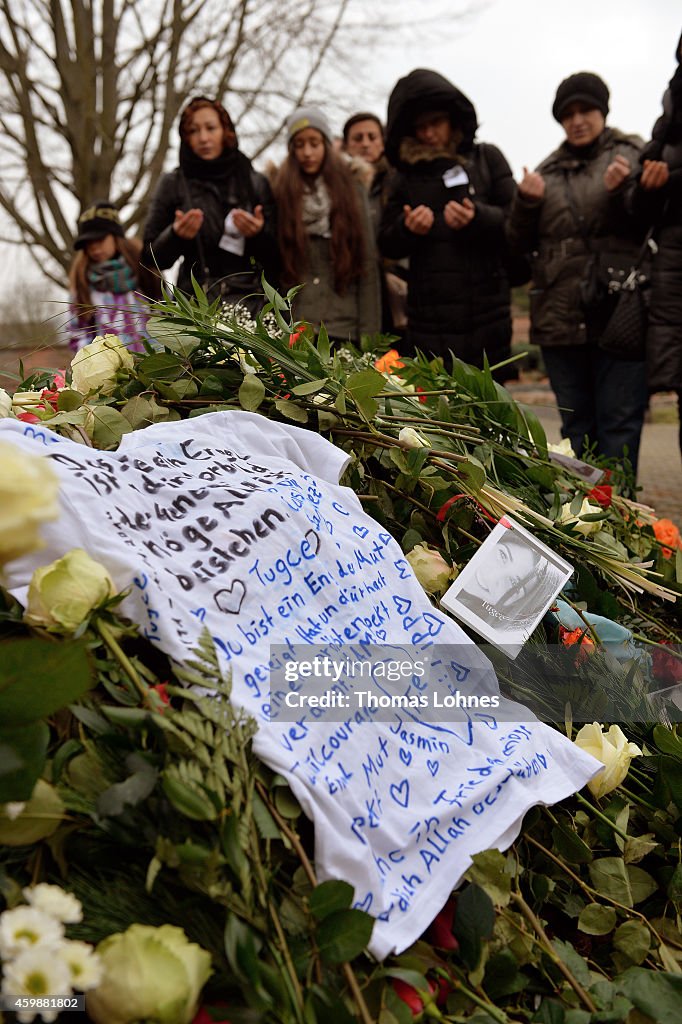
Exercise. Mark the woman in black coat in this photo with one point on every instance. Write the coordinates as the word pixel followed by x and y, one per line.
pixel 446 212
pixel 214 211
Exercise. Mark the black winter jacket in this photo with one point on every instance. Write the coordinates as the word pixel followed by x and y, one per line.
pixel 222 272
pixel 458 291
pixel 663 208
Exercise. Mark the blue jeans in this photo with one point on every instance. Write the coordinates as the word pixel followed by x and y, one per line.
pixel 601 399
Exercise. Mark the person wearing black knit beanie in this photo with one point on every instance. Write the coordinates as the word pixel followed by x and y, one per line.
pixel 570 214
pixel 657 200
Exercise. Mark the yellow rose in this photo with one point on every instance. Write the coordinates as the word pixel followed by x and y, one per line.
pixel 567 517
pixel 430 568
pixel 149 973
pixel 94 368
pixel 28 496
pixel 613 750
pixel 61 595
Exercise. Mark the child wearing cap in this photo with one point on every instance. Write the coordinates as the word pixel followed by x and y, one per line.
pixel 104 278
pixel 325 235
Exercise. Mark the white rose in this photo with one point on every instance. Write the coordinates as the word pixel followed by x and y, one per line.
pixel 613 750
pixel 95 367
pixel 563 448
pixel 412 439
pixel 567 517
pixel 62 595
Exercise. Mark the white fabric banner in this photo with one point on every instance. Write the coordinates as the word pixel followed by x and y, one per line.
pixel 232 522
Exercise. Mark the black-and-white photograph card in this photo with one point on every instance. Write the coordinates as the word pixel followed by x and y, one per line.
pixel 507 587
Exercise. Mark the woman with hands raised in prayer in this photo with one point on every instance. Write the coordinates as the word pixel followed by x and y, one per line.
pixel 446 212
pixel 214 211
pixel 571 214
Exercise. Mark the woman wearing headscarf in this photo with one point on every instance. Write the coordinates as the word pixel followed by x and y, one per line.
pixel 446 212
pixel 214 211
pixel 570 214
pixel 658 202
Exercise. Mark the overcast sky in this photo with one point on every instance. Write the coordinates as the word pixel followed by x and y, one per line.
pixel 509 56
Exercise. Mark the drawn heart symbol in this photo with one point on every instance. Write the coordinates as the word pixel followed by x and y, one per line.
pixel 433 767
pixel 381 633
pixel 406 756
pixel 401 793
pixel 231 598
pixel 360 531
pixel 403 604
pixel 365 904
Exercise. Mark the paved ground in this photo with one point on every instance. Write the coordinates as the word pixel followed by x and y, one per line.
pixel 660 465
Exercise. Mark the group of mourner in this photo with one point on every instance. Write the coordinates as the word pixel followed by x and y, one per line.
pixel 418 229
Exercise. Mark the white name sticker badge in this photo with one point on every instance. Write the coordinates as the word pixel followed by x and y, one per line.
pixel 455 176
pixel 507 587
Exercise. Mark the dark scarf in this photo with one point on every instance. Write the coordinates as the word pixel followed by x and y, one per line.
pixel 114 276
pixel 229 171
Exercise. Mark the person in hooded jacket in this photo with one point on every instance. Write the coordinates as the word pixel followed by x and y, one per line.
pixel 214 211
pixel 657 201
pixel 571 211
pixel 446 211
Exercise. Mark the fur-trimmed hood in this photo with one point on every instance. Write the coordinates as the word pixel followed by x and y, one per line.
pixel 419 92
pixel 413 152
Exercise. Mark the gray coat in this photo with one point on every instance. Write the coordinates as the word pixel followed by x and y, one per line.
pixel 560 250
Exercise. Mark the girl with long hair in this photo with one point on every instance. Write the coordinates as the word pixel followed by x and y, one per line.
pixel 104 279
pixel 325 235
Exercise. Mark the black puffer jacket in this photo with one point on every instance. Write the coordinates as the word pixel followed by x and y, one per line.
pixel 549 229
pixel 215 268
pixel 458 291
pixel 663 208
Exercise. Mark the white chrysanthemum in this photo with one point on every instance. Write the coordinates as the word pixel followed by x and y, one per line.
pixel 53 900
pixel 24 927
pixel 85 965
pixel 37 972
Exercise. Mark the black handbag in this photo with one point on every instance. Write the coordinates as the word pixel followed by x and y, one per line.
pixel 624 335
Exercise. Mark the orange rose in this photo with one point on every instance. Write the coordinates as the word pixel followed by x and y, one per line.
pixel 389 362
pixel 667 534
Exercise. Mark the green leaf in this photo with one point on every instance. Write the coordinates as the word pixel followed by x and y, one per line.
pixel 267 826
pixel 655 993
pixel 573 961
pixel 189 800
pixel 474 922
pixel 571 847
pixel 310 387
pixel 141 411
pixel 633 939
pixel 68 400
pixel 39 677
pixel 596 919
pixel 109 426
pixel 472 472
pixel 502 976
pixel 535 429
pixel 667 741
pixel 132 791
pixel 678 565
pixel 621 882
pixel 251 392
pixel 328 897
pixel 23 750
pixel 292 411
pixel 343 935
pixel 488 872
pixel 162 366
